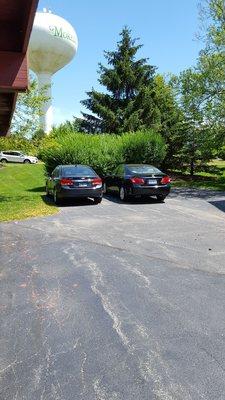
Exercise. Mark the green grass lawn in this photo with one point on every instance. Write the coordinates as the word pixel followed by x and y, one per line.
pixel 22 192
pixel 213 179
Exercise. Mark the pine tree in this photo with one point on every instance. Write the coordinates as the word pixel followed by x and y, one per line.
pixel 128 104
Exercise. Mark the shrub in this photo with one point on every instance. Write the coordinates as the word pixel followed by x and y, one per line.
pixel 102 152
pixel 145 147
pixel 99 151
pixel 17 143
pixel 47 143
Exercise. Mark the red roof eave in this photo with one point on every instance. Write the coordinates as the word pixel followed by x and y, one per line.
pixel 13 58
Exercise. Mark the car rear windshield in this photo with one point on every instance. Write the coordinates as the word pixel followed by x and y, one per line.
pixel 143 169
pixel 79 170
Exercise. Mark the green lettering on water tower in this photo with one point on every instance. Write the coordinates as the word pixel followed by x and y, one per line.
pixel 59 32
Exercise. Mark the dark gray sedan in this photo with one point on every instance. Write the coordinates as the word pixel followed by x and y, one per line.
pixel 74 181
pixel 137 180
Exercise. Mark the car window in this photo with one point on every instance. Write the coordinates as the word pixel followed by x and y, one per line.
pixel 142 169
pixel 79 170
pixel 55 173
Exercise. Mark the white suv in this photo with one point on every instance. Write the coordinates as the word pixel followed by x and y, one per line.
pixel 17 157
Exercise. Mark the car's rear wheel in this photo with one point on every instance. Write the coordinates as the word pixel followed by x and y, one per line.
pixel 123 194
pixel 160 197
pixel 26 162
pixel 97 200
pixel 3 160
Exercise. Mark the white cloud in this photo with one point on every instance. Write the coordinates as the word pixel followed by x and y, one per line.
pixel 61 115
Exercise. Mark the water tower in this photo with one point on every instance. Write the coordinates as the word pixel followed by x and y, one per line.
pixel 53 44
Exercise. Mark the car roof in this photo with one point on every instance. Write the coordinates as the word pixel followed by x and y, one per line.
pixel 74 165
pixel 139 165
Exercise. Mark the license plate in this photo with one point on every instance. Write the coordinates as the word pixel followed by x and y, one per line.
pixel 152 182
pixel 83 184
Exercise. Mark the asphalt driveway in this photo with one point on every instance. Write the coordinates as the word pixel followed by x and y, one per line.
pixel 115 302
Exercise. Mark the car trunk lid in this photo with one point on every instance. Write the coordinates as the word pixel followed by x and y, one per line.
pixel 147 180
pixel 81 181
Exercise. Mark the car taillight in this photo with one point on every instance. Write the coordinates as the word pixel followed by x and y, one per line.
pixel 165 180
pixel 96 181
pixel 66 182
pixel 137 181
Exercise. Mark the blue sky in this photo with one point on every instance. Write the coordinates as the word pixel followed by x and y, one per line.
pixel 166 28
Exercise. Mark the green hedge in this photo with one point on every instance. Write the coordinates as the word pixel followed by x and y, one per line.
pixel 102 152
pixel 143 147
pixel 18 144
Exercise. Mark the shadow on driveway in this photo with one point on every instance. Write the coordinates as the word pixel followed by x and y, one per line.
pixel 137 200
pixel 191 193
pixel 79 202
pixel 195 193
pixel 220 204
pixel 203 194
pixel 65 203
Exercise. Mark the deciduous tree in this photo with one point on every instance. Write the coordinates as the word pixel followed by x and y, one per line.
pixel 26 120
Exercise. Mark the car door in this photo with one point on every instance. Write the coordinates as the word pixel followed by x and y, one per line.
pixel 9 156
pixel 15 156
pixel 18 157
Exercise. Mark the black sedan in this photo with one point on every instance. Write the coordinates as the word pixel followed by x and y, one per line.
pixel 74 181
pixel 137 180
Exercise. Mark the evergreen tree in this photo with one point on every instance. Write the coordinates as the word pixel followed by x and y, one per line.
pixel 128 104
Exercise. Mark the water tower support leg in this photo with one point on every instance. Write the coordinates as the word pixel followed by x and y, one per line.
pixel 46 119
